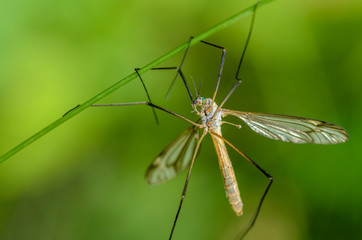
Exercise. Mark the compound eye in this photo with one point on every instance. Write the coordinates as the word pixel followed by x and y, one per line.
pixel 203 101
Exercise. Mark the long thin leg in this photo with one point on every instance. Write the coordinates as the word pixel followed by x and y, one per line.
pixel 145 88
pixel 179 72
pixel 163 68
pixel 148 95
pixel 226 98
pixel 187 182
pixel 220 68
pixel 180 67
pixel 148 104
pixel 70 110
pixel 241 60
pixel 247 41
pixel 251 224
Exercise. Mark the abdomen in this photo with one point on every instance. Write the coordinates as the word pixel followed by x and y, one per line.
pixel 230 183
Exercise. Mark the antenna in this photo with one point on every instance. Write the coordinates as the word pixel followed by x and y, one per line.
pixel 198 93
pixel 193 83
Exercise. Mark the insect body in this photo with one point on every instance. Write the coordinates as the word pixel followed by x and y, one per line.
pixel 181 152
pixel 211 120
pixel 178 153
pixel 207 113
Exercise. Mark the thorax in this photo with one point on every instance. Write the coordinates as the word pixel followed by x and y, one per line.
pixel 207 115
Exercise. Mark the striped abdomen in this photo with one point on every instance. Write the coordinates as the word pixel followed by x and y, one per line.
pixel 230 183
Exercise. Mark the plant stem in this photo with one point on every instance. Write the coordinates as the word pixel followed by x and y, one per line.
pixel 124 81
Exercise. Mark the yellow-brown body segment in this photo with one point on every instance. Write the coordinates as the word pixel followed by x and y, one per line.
pixel 230 183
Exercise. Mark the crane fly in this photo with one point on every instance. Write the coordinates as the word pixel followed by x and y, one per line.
pixel 181 152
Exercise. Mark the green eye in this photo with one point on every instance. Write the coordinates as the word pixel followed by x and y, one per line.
pixel 203 100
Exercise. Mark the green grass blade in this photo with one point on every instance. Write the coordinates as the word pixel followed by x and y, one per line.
pixel 122 82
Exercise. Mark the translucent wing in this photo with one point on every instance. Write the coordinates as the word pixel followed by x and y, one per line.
pixel 292 129
pixel 174 158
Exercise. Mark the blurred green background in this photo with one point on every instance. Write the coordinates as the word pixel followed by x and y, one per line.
pixel 85 179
